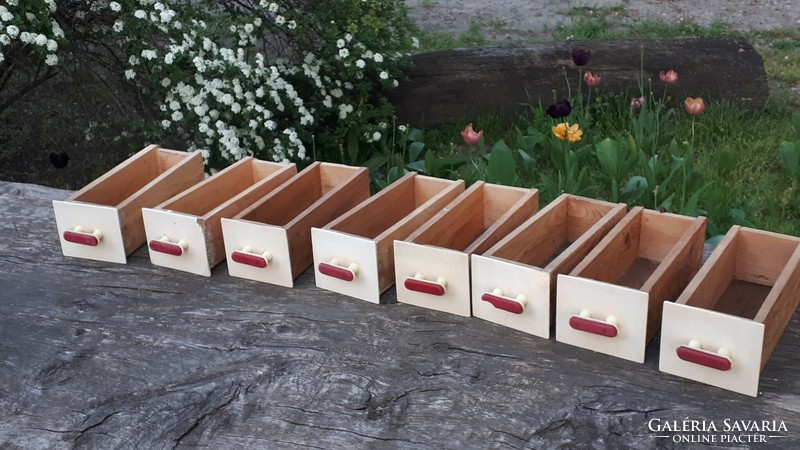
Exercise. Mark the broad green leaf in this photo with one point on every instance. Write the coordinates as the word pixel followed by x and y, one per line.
pixel 502 167
pixel 417 166
pixel 527 161
pixel 416 135
pixel 608 155
pixel 715 240
pixel 375 163
pixel 415 149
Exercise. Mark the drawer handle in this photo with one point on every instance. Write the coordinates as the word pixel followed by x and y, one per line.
pixel 498 300
pixel 418 283
pixel 334 270
pixel 694 353
pixel 165 245
pixel 80 236
pixel 586 323
pixel 248 257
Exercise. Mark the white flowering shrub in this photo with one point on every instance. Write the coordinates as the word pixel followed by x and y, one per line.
pixel 283 80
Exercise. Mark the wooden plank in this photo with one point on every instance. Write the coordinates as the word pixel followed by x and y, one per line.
pixel 715 275
pixel 660 232
pixel 283 204
pixel 338 199
pixel 782 302
pixel 616 252
pixel 122 181
pixel 677 267
pixel 200 199
pixel 537 238
pixel 500 222
pixel 456 226
pixel 762 256
pixel 451 86
pixel 448 191
pixel 186 172
pixel 376 214
pixel 278 174
pixel 594 221
pixel 98 355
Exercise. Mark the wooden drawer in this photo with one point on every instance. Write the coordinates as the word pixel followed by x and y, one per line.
pixel 611 302
pixel 103 221
pixel 270 241
pixel 724 327
pixel 185 232
pixel 513 283
pixel 432 264
pixel 354 254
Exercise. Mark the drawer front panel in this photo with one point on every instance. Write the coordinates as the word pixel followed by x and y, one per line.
pixel 602 317
pixel 342 250
pixel 443 271
pixel 721 341
pixel 255 239
pixel 179 230
pixel 504 282
pixel 97 223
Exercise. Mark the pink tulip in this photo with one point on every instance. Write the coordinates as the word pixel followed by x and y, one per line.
pixel 669 77
pixel 591 79
pixel 470 136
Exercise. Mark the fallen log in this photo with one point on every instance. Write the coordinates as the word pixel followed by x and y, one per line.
pixel 454 86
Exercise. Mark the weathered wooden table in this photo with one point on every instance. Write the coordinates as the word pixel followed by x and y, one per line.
pixel 101 355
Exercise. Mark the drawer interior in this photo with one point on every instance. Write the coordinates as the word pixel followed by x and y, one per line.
pixel 545 237
pixel 129 177
pixel 284 204
pixel 389 206
pixel 216 190
pixel 467 219
pixel 635 249
pixel 741 274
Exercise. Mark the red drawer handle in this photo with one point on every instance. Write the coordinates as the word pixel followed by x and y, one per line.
pixel 586 323
pixel 418 283
pixel 695 354
pixel 334 270
pixel 500 301
pixel 166 246
pixel 247 257
pixel 79 236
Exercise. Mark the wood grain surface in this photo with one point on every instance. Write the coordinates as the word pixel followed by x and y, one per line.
pixel 100 355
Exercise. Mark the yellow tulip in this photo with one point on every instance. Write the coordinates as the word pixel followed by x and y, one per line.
pixel 565 132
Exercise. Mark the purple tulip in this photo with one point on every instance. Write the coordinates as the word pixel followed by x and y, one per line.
pixel 559 110
pixel 580 56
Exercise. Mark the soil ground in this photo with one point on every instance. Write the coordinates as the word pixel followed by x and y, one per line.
pixel 515 20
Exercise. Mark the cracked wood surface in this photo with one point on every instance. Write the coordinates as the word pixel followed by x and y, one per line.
pixel 100 355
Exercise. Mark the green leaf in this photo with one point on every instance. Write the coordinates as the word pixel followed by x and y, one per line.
pixel 352 145
pixel 438 167
pixel 416 135
pixel 502 167
pixel 790 158
pixel 527 160
pixel 375 163
pixel 608 155
pixel 417 166
pixel 715 240
pixel 395 174
pixel 738 216
pixel 415 149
